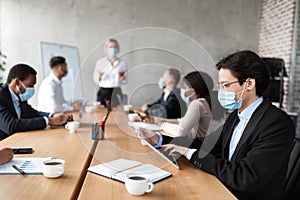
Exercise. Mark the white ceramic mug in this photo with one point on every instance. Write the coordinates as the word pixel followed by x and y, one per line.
pixel 138 184
pixel 72 126
pixel 127 107
pixel 89 109
pixel 53 168
pixel 133 116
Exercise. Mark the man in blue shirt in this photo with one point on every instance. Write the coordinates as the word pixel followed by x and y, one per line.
pixel 251 151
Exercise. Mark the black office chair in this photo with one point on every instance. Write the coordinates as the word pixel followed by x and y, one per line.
pixel 292 189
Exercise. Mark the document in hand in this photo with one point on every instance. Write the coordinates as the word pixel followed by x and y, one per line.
pixel 117 169
pixel 152 127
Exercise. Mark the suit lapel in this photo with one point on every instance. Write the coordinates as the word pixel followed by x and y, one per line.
pixel 10 101
pixel 252 124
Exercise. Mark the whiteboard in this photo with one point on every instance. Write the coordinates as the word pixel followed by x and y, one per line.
pixel 72 86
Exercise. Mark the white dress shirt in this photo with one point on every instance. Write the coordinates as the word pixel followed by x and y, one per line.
pixel 240 127
pixel 166 95
pixel 50 96
pixel 110 78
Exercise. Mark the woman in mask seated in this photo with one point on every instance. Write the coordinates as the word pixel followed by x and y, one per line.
pixel 194 124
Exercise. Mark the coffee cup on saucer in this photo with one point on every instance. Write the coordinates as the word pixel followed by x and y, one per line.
pixel 72 126
pixel 133 116
pixel 138 184
pixel 53 168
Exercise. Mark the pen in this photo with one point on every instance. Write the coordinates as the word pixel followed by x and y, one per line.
pixel 18 169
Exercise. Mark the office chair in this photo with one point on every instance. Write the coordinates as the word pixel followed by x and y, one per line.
pixel 292 188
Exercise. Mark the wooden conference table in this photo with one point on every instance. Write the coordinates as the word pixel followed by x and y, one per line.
pixel 80 152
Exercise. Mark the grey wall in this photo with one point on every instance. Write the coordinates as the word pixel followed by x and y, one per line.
pixel 220 26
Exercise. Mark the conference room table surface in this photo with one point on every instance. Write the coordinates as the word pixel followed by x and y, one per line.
pixel 57 142
pixel 79 152
pixel 121 141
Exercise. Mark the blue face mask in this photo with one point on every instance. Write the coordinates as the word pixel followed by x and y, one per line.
pixel 112 52
pixel 227 99
pixel 161 83
pixel 184 98
pixel 29 92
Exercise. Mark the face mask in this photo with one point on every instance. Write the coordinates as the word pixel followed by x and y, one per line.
pixel 65 73
pixel 186 99
pixel 29 92
pixel 112 52
pixel 161 83
pixel 227 100
pixel 182 94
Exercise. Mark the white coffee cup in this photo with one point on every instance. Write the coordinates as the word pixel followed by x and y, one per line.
pixel 127 107
pixel 133 116
pixel 53 168
pixel 138 184
pixel 89 109
pixel 72 126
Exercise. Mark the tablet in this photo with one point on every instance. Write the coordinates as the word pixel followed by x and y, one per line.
pixel 160 152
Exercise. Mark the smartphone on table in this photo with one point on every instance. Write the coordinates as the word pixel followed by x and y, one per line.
pixel 23 150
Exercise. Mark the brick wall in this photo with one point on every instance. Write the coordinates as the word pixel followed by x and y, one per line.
pixel 296 88
pixel 276 40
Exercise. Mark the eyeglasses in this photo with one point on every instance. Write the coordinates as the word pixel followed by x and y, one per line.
pixel 222 86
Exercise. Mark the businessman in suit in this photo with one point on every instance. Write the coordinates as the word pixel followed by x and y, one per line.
pixel 16 115
pixel 250 154
pixel 169 105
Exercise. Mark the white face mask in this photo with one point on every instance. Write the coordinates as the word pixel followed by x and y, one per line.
pixel 186 99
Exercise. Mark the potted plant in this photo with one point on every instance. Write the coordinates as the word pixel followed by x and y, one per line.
pixel 2 65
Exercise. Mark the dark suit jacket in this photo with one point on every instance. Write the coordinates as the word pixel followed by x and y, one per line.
pixel 9 122
pixel 172 108
pixel 258 167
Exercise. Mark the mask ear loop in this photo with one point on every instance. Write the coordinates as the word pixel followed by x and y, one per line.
pixel 18 87
pixel 191 94
pixel 242 91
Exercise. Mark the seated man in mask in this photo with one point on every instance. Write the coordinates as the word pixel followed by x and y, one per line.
pixel 170 105
pixel 16 115
pixel 50 97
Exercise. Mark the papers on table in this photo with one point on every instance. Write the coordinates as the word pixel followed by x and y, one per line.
pixel 117 169
pixel 30 165
pixel 137 125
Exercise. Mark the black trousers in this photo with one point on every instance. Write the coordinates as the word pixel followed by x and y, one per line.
pixel 111 94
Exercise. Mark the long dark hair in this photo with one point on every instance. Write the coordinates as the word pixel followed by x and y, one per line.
pixel 196 81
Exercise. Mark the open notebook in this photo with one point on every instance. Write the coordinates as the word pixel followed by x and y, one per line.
pixel 117 169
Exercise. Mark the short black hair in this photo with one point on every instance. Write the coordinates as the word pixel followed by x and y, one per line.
pixel 247 64
pixel 175 74
pixel 56 60
pixel 197 82
pixel 20 71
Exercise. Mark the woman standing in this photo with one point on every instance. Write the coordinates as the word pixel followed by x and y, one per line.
pixel 109 74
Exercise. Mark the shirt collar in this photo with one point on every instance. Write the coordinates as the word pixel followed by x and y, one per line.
pixel 54 78
pixel 247 113
pixel 13 95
